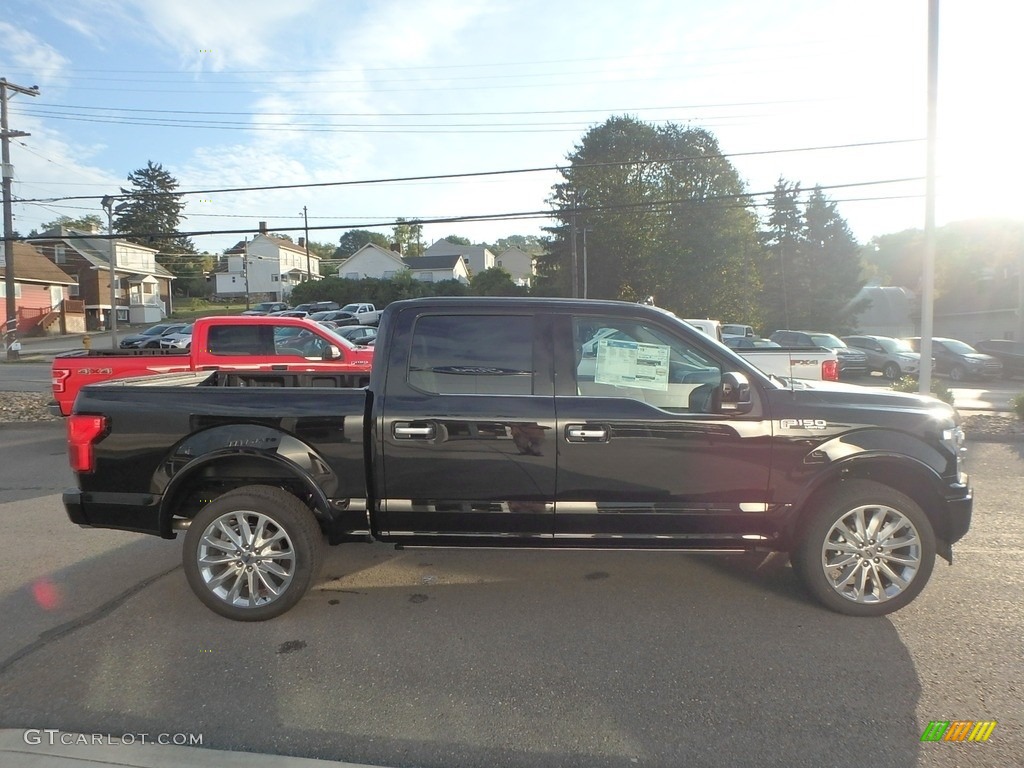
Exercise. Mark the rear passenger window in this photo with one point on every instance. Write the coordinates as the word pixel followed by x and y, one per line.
pixel 472 355
pixel 239 340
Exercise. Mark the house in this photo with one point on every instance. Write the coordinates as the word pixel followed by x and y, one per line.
pixel 142 287
pixel 518 263
pixel 42 294
pixel 478 258
pixel 266 266
pixel 377 262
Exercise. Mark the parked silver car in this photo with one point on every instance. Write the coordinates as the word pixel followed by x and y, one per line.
pixel 894 358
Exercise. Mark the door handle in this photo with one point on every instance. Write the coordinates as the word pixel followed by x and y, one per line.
pixel 586 433
pixel 413 431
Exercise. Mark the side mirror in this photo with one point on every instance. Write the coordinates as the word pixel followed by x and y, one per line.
pixel 734 394
pixel 332 353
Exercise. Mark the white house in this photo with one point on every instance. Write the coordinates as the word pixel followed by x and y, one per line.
pixel 266 266
pixel 517 263
pixel 377 262
pixel 372 261
pixel 478 258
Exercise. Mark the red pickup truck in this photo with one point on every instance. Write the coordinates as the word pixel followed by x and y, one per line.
pixel 220 343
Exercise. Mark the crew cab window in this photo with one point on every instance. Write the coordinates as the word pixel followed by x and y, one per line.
pixel 472 355
pixel 618 357
pixel 231 340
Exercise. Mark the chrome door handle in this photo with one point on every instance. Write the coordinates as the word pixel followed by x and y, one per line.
pixel 407 431
pixel 585 433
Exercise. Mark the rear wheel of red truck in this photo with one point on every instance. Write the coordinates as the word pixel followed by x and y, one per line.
pixel 251 554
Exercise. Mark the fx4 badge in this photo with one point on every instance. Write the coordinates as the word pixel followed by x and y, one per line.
pixel 804 424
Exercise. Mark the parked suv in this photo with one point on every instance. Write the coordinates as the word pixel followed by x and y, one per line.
pixel 895 358
pixel 852 362
pixel 959 359
pixel 1009 353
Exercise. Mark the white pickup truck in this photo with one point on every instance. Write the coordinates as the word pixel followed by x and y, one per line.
pixel 818 364
pixel 366 314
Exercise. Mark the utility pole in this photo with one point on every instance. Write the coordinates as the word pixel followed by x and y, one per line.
pixel 305 223
pixel 928 272
pixel 245 270
pixel 575 259
pixel 107 204
pixel 11 330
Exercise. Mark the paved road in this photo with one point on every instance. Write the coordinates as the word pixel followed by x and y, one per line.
pixel 508 658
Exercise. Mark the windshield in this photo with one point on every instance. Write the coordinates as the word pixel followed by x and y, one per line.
pixel 350 308
pixel 895 345
pixel 958 347
pixel 826 340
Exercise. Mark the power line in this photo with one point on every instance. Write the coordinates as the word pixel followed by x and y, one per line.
pixel 479 174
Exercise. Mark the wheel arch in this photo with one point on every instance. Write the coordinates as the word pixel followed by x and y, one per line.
pixel 227 470
pixel 909 476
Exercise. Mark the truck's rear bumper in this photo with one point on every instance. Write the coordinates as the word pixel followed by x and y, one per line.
pixel 138 512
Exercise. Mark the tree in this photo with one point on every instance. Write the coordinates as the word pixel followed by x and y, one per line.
pixel 780 270
pixel 355 239
pixel 153 210
pixel 663 214
pixel 408 236
pixel 494 282
pixel 457 240
pixel 87 223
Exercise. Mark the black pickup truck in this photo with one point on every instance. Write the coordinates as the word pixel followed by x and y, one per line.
pixel 524 422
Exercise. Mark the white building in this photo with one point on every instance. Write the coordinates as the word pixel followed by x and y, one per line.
pixel 266 266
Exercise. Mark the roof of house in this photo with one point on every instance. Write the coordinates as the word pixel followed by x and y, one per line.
pixel 280 242
pixel 96 250
pixel 447 261
pixel 33 267
pixel 445 248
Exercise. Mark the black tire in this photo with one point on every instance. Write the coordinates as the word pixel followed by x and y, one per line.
pixel 240 584
pixel 892 372
pixel 957 373
pixel 828 573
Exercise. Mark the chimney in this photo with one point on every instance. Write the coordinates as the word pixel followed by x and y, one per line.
pixel 397 248
pixel 302 242
pixel 263 227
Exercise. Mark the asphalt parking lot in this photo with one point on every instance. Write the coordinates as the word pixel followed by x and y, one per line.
pixel 487 657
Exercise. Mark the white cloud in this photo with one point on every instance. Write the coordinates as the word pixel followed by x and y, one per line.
pixel 25 50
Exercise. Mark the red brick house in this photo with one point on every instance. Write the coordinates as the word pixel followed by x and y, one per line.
pixel 41 294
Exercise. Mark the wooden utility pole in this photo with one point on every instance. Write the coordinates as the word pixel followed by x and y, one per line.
pixel 11 330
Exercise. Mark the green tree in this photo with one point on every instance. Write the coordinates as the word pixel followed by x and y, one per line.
pixel 408 235
pixel 354 239
pixel 153 211
pixel 457 240
pixel 781 270
pixel 663 214
pixel 87 223
pixel 494 282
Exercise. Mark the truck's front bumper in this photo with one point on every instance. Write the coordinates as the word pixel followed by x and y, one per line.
pixel 138 512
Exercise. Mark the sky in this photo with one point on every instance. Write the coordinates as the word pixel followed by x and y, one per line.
pixel 256 93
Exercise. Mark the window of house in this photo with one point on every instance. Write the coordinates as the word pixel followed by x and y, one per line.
pixel 73 291
pixel 3 290
pixel 275 277
pixel 351 275
pixel 60 255
pixel 472 355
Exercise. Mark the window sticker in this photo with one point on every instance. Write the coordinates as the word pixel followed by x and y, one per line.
pixel 632 364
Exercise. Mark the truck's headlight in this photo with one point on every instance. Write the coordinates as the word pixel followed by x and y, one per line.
pixel 953 439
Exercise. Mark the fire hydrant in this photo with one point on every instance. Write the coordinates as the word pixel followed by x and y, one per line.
pixel 87 342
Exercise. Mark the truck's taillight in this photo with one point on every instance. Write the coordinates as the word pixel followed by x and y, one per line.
pixel 830 370
pixel 83 432
pixel 58 381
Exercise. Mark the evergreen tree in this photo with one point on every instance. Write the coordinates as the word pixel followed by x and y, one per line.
pixel 781 271
pixel 153 210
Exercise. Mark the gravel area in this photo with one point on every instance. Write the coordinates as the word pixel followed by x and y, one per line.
pixel 985 427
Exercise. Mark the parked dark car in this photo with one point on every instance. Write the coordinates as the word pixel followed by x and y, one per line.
pixel 747 342
pixel 267 308
pixel 318 306
pixel 852 362
pixel 150 338
pixel 959 360
pixel 894 358
pixel 1009 353
pixel 335 316
pixel 358 334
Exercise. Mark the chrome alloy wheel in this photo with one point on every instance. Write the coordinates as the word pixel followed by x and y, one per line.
pixel 871 554
pixel 245 559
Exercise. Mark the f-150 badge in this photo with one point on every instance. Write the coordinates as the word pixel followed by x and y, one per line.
pixel 804 424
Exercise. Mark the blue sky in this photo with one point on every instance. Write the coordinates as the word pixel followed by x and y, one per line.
pixel 242 93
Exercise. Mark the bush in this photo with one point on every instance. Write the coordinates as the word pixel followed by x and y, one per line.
pixel 938 389
pixel 1017 403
